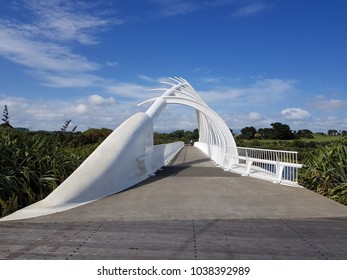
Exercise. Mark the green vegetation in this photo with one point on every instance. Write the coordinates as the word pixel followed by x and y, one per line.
pixel 279 131
pixel 325 171
pixel 178 135
pixel 33 164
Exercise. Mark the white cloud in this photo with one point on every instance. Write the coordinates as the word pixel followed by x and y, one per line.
pixel 48 114
pixel 67 20
pixel 40 55
pixel 147 78
pixel 176 117
pixel 324 124
pixel 254 116
pixel 238 120
pixel 43 44
pixel 295 114
pixel 99 100
pixel 131 90
pixel 251 9
pixel 12 101
pixel 98 111
pixel 328 105
pixel 170 8
pixel 112 64
pixel 81 108
pixel 262 91
pixel 72 81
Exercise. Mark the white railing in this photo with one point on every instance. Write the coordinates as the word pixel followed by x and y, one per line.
pixel 159 155
pixel 271 165
pixel 276 166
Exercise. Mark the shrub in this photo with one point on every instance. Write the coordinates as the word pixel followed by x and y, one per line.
pixel 31 166
pixel 325 171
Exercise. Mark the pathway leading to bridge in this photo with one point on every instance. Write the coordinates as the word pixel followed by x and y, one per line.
pixel 189 210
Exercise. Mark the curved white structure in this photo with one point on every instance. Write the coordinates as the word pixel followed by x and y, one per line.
pixel 128 156
pixel 212 129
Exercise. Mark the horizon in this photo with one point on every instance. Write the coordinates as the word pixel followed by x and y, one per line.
pixel 254 62
pixel 235 132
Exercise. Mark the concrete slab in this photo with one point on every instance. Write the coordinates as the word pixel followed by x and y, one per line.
pixel 202 239
pixel 191 210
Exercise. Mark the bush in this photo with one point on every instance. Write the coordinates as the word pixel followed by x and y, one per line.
pixel 92 136
pixel 325 171
pixel 31 167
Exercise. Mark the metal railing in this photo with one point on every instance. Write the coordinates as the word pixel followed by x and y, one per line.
pixel 157 156
pixel 271 165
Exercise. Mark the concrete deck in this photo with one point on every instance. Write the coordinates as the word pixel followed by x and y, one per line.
pixel 190 210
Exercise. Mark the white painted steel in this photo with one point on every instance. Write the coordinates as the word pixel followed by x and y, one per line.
pixel 160 155
pixel 271 165
pixel 212 129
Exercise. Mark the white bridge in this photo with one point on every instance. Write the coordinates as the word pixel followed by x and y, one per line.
pixel 128 156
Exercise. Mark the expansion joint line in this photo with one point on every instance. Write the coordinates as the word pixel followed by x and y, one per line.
pixel 91 234
pixel 305 240
pixel 194 240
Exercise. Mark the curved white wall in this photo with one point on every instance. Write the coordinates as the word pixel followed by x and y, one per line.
pixel 111 168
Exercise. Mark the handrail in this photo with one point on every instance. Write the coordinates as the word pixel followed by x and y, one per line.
pixel 158 156
pixel 271 165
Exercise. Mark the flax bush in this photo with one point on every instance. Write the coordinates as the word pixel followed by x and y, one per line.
pixel 31 166
pixel 325 171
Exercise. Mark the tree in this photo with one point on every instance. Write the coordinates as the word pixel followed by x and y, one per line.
pixel 248 132
pixel 305 133
pixel 332 132
pixel 177 133
pixel 282 131
pixel 266 133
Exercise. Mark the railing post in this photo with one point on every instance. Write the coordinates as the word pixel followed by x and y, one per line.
pixel 279 169
pixel 249 163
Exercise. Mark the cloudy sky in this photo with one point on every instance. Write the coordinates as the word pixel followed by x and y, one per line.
pixel 253 61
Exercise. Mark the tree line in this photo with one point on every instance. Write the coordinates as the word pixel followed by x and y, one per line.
pixel 279 131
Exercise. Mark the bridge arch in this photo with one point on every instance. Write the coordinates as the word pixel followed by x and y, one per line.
pixel 212 129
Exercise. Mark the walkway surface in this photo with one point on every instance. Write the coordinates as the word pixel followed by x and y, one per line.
pixel 189 210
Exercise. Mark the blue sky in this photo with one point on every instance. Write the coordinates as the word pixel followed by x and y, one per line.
pixel 253 61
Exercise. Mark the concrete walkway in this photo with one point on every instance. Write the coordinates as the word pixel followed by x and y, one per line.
pixel 189 210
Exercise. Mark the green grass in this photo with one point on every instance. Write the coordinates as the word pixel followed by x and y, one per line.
pixel 318 138
pixel 323 138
